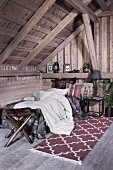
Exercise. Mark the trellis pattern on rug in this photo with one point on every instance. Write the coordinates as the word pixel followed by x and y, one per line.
pixel 76 146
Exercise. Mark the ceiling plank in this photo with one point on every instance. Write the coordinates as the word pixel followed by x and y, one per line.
pixel 103 5
pixel 26 4
pixel 12 18
pixel 62 45
pixel 7 32
pixel 90 41
pixel 106 14
pixel 83 8
pixel 27 27
pixel 48 38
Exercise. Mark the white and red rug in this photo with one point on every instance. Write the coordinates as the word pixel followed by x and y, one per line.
pixel 75 147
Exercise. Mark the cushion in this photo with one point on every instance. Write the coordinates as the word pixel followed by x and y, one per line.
pixel 40 95
pixel 59 91
pixel 29 98
pixel 80 90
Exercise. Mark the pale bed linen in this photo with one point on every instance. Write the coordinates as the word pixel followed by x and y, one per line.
pixel 56 110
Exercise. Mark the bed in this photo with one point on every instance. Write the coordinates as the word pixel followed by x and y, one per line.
pixel 52 110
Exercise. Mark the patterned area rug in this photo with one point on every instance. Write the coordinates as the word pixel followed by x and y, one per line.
pixel 75 147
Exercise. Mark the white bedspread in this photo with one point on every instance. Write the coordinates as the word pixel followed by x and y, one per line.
pixel 56 110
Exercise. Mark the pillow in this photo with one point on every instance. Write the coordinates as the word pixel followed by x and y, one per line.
pixel 59 91
pixel 70 91
pixel 77 90
pixel 40 95
pixel 29 98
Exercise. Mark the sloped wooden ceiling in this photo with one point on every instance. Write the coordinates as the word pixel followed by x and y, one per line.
pixel 34 31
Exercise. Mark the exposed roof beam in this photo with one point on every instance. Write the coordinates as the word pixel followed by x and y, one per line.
pixel 59 48
pixel 81 7
pixel 28 26
pixel 106 14
pixel 103 5
pixel 90 41
pixel 52 34
pixel 49 38
pixel 99 11
pixel 62 45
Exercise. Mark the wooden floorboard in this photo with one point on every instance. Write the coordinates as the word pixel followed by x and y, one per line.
pixel 18 157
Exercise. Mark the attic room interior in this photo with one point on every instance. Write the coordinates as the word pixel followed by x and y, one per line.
pixel 56 84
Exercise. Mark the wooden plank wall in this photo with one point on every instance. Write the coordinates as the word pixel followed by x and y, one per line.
pixel 16 88
pixel 77 52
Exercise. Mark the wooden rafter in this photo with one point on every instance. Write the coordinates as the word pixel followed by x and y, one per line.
pixel 103 5
pixel 106 14
pixel 81 7
pixel 48 38
pixel 28 26
pixel 90 41
pixel 45 61
pixel 62 45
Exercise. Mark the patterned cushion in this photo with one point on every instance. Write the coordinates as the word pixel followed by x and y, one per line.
pixel 80 90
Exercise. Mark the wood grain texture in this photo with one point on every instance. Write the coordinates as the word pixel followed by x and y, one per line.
pixel 104 44
pixel 80 56
pixel 48 38
pixel 74 53
pixel 103 5
pixel 27 27
pixel 90 41
pixel 111 44
pixel 63 44
pixel 81 7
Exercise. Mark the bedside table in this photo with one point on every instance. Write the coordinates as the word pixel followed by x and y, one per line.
pixel 99 100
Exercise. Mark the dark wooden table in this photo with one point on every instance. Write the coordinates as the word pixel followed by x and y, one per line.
pixel 99 100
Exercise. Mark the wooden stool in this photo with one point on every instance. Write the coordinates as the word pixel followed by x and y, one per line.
pixel 19 119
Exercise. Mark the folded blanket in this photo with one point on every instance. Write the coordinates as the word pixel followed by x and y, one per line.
pixel 56 111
